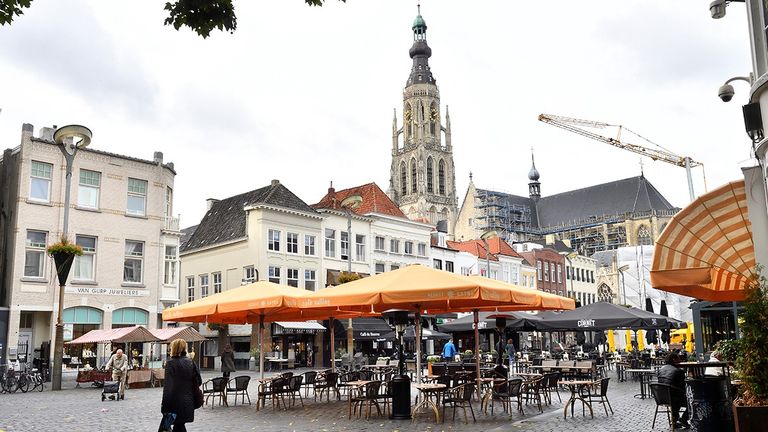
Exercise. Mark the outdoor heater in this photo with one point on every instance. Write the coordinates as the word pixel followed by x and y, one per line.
pixel 401 384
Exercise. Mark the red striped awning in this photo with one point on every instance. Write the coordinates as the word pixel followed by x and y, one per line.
pixel 117 335
pixel 166 335
pixel 706 250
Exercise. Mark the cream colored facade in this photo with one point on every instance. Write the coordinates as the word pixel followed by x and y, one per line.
pixel 100 290
pixel 581 277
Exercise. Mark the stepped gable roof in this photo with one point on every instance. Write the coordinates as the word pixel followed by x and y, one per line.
pixel 374 200
pixel 226 220
pixel 475 247
pixel 630 195
pixel 512 200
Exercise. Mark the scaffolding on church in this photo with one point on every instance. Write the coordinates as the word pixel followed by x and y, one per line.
pixel 498 214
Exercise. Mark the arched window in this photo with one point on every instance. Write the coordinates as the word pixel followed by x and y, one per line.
pixel 644 236
pixel 604 293
pixel 433 215
pixel 403 179
pixel 430 176
pixel 413 175
pixel 408 120
pixel 434 118
pixel 128 317
pixel 441 177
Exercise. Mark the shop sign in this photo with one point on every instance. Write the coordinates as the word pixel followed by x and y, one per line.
pixel 119 292
pixel 586 323
pixel 369 334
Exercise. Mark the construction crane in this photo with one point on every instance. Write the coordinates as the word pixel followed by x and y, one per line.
pixel 579 126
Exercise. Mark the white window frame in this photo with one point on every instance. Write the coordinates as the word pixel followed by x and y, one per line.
pixel 342 248
pixel 134 256
pixel 437 264
pixel 309 245
pixel 559 273
pixel 292 277
pixel 273 240
pixel 359 247
pixel 88 184
pixel 274 274
pixel 171 266
pixel 88 253
pixel 447 265
pixel 205 281
pixel 408 249
pixel 249 274
pixel 546 271
pixel 190 288
pixel 37 249
pixel 292 243
pixel 216 278
pixel 330 243
pixel 394 246
pixel 422 248
pixel 137 194
pixel 37 175
pixel 379 268
pixel 380 243
pixel 310 281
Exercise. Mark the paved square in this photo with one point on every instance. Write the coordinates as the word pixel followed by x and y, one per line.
pixel 81 409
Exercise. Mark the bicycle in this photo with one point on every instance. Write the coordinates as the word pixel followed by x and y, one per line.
pixel 8 381
pixel 35 378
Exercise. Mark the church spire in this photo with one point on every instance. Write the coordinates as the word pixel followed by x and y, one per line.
pixel 420 52
pixel 534 187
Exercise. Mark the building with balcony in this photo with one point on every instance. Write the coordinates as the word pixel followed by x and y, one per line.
pixel 121 214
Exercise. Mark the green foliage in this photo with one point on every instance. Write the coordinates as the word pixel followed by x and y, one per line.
pixel 218 327
pixel 12 8
pixel 729 349
pixel 64 246
pixel 255 353
pixel 345 277
pixel 433 358
pixel 202 16
pixel 468 352
pixel 340 352
pixel 752 361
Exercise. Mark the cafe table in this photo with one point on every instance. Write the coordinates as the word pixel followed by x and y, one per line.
pixel 354 386
pixel 428 392
pixel 645 380
pixel 576 387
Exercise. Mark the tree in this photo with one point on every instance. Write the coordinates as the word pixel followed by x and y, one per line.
pixel 202 16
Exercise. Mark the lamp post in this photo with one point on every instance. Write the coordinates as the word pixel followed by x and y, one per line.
pixel 623 287
pixel 484 237
pixel 569 257
pixel 65 137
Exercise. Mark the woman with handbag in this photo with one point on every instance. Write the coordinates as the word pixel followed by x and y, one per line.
pixel 182 385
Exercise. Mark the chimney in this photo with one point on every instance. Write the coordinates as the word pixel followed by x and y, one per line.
pixel 209 203
pixel 275 182
pixel 171 166
pixel 332 194
pixel 158 158
pixel 46 133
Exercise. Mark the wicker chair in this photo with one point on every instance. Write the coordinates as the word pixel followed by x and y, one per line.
pixel 601 396
pixel 309 382
pixel 367 397
pixel 240 388
pixel 273 390
pixel 330 382
pixel 532 392
pixel 662 395
pixel 215 388
pixel 460 397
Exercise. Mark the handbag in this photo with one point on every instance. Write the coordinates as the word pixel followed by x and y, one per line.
pixel 199 400
pixel 166 423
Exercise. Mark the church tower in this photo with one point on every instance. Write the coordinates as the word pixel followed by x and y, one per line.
pixel 422 181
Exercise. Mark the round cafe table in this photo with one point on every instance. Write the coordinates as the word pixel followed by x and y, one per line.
pixel 429 398
pixel 576 386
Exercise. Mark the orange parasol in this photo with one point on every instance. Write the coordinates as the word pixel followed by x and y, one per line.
pixel 706 250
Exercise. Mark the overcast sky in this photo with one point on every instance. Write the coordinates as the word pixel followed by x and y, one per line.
pixel 305 95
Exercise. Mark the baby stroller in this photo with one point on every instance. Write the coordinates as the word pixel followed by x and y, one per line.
pixel 110 388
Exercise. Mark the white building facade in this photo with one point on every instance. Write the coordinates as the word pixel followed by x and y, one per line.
pixel 121 214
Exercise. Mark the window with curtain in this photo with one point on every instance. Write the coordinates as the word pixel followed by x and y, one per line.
pixel 359 247
pixel 40 181
pixel 216 282
pixel 330 243
pixel 204 285
pixel 190 288
pixel 137 197
pixel 88 189
pixel 34 258
pixel 133 262
pixel 85 265
pixel 169 271
pixel 309 280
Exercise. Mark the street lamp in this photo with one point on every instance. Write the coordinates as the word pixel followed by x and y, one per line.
pixel 568 257
pixel 623 287
pixel 70 139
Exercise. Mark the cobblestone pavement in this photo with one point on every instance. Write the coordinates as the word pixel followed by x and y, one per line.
pixel 81 409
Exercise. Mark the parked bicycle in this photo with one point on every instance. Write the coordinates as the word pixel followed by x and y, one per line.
pixel 31 377
pixel 8 381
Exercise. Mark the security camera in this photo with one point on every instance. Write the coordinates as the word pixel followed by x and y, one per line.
pixel 726 92
pixel 717 8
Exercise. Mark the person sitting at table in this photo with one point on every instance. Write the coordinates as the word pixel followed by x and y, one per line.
pixel 672 375
pixel 714 371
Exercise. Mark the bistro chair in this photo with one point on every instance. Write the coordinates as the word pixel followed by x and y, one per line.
pixel 293 389
pixel 662 395
pixel 532 392
pixel 602 396
pixel 550 385
pixel 345 378
pixel 309 382
pixel 273 390
pixel 326 385
pixel 215 388
pixel 385 394
pixel 368 396
pixel 461 397
pixel 240 388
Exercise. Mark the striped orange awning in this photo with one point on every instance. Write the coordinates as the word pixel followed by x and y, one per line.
pixel 706 250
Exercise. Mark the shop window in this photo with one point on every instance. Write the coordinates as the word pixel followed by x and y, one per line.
pixel 127 317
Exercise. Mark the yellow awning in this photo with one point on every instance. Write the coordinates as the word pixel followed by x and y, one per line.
pixel 706 250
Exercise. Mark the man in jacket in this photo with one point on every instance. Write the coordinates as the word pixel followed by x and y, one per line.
pixel 674 376
pixel 449 350
pixel 119 365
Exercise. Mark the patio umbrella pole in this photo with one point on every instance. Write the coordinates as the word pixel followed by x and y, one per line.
pixel 261 345
pixel 417 333
pixel 333 349
pixel 476 316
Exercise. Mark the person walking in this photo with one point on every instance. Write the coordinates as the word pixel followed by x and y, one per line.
pixel 510 348
pixel 118 362
pixel 182 380
pixel 449 350
pixel 227 361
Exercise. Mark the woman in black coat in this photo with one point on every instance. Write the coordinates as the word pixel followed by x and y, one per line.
pixel 181 381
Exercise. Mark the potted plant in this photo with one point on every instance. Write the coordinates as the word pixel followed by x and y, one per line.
pixel 750 409
pixel 64 253
pixel 255 353
pixel 432 359
pixel 467 354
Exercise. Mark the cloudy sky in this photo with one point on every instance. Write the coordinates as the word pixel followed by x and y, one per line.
pixel 305 95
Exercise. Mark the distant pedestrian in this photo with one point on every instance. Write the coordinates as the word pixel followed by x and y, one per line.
pixel 449 351
pixel 119 365
pixel 227 361
pixel 182 380
pixel 511 352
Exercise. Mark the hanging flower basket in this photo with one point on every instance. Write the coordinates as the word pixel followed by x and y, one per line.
pixel 64 253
